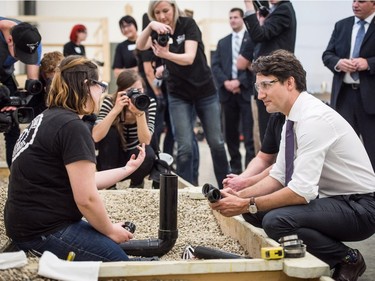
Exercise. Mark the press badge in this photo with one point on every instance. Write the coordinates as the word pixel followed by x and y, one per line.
pixel 131 47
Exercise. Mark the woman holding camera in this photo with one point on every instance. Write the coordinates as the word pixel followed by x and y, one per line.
pixel 125 120
pixel 190 84
pixel 53 180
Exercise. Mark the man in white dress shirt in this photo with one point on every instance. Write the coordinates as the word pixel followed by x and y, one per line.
pixel 330 197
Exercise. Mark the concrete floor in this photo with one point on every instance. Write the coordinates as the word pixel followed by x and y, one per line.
pixel 366 247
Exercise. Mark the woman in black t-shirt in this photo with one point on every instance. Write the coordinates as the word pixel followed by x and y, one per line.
pixel 78 34
pixel 53 181
pixel 125 53
pixel 178 41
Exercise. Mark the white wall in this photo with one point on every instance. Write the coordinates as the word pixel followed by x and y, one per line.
pixel 315 21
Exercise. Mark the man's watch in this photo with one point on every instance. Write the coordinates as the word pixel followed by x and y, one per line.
pixel 252 207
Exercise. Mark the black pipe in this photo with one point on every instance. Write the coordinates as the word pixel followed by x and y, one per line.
pixel 29 8
pixel 202 252
pixel 168 232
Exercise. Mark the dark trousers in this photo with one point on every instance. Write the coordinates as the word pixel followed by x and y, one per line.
pixel 12 135
pixel 322 224
pixel 238 112
pixel 111 155
pixel 349 105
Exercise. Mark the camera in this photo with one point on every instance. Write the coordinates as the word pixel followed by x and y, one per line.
pixel 212 193
pixel 262 7
pixel 162 39
pixel 139 99
pixel 20 99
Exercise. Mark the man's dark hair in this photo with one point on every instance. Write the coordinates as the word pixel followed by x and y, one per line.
pixel 281 64
pixel 129 20
pixel 237 10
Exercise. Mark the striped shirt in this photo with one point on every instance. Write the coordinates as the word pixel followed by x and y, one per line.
pixel 130 130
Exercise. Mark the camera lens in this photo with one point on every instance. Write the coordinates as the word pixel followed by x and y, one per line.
pixel 33 87
pixel 163 39
pixel 141 101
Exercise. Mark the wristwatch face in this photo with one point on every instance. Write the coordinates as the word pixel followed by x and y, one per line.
pixel 253 209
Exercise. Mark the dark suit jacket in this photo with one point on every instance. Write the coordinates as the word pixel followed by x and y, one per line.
pixel 221 65
pixel 338 48
pixel 277 32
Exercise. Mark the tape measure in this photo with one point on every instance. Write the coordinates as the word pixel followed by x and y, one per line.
pixel 272 253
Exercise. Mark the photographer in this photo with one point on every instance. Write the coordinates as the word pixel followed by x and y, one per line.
pixel 178 41
pixel 126 119
pixel 19 41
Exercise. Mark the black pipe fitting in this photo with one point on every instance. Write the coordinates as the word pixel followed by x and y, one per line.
pixel 211 192
pixel 129 226
pixel 168 232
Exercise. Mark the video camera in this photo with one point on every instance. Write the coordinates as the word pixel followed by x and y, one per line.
pixel 262 7
pixel 139 99
pixel 20 99
pixel 162 39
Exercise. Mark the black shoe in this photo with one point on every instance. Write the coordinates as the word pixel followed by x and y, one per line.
pixel 350 271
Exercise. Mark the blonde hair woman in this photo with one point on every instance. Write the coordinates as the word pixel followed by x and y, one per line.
pixel 191 89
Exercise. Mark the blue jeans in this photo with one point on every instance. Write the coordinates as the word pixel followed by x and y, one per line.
pixel 183 119
pixel 80 238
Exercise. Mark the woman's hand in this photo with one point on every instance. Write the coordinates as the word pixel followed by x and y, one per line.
pixel 160 51
pixel 120 234
pixel 134 162
pixel 122 100
pixel 160 28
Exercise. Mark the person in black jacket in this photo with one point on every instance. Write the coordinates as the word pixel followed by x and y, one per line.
pixel 235 89
pixel 275 31
pixel 355 99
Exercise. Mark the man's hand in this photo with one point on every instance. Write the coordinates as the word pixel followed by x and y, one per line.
pixel 230 204
pixel 346 65
pixel 361 64
pixel 235 182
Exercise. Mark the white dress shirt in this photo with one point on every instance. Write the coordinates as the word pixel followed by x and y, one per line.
pixel 329 158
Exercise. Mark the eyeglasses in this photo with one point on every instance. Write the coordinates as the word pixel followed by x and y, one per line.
pixel 103 85
pixel 265 85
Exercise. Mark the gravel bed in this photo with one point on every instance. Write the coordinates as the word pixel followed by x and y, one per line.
pixel 196 223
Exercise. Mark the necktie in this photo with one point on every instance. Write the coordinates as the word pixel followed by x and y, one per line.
pixel 289 151
pixel 235 51
pixel 357 46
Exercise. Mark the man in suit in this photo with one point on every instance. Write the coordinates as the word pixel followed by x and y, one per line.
pixel 354 96
pixel 235 90
pixel 275 31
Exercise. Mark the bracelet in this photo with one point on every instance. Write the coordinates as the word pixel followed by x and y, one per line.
pixel 139 114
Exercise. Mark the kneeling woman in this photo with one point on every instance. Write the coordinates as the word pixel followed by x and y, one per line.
pixel 121 126
pixel 53 179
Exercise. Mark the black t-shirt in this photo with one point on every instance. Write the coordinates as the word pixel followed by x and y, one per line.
pixel 189 82
pixel 125 55
pixel 40 199
pixel 71 48
pixel 272 136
